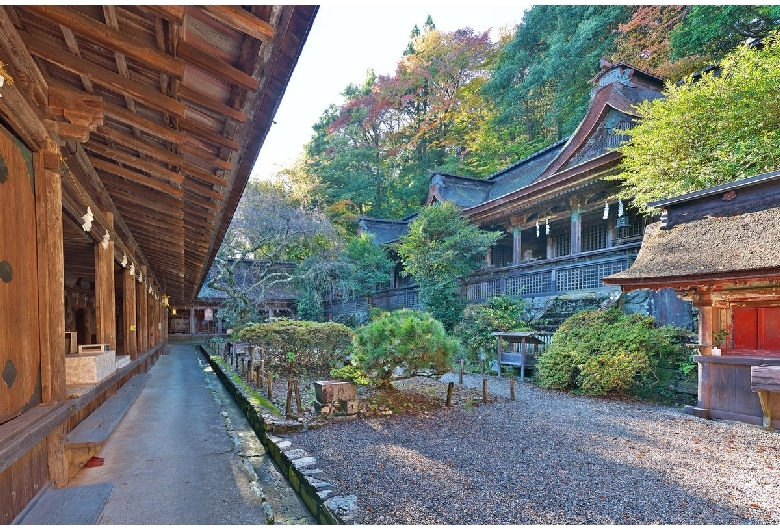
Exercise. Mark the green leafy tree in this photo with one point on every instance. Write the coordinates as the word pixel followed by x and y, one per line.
pixel 407 339
pixel 540 84
pixel 351 272
pixel 269 227
pixel 440 248
pixel 714 30
pixel 501 313
pixel 708 131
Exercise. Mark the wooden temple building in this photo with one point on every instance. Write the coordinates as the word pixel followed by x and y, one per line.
pixel 717 247
pixel 127 135
pixel 565 225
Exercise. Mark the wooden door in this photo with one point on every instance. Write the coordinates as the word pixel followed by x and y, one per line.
pixel 757 328
pixel 20 359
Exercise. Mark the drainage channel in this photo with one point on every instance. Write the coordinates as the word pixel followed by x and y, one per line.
pixel 283 505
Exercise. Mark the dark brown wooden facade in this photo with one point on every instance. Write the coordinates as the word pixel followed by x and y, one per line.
pixel 717 248
pixel 127 135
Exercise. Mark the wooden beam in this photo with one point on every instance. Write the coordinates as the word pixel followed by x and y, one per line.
pixel 173 14
pixel 204 176
pixel 158 153
pixel 203 192
pixel 143 165
pixel 51 52
pixel 212 160
pixel 211 104
pixel 111 38
pixel 207 134
pixel 28 76
pixel 216 67
pixel 239 19
pixel 137 178
pixel 134 120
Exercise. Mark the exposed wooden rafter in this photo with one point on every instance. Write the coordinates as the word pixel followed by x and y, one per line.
pixel 241 20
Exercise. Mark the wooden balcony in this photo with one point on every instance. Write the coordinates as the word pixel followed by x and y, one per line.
pixel 539 277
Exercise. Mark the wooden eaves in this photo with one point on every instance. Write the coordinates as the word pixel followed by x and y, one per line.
pixel 159 113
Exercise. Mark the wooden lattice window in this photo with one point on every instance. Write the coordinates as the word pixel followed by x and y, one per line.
pixel 526 284
pixel 594 236
pixel 561 244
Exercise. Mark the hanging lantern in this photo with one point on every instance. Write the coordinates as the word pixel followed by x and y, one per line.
pixel 537 228
pixel 606 210
pixel 173 311
pixel 165 299
pixel 547 226
pixel 620 208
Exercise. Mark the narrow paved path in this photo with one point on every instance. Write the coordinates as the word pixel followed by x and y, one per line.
pixel 184 454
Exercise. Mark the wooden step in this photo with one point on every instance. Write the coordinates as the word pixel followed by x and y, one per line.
pixel 83 442
pixel 80 505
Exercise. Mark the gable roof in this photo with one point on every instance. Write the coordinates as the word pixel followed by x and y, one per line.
pixel 384 230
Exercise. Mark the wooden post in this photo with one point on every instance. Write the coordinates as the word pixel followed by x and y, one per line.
pixel 270 381
pixel 576 227
pixel 129 315
pixel 297 396
pixel 512 388
pixel 460 379
pixel 288 404
pixel 484 391
pixel 142 326
pixel 51 293
pixel 251 368
pixel 105 298
pixel 450 386
pixel 258 377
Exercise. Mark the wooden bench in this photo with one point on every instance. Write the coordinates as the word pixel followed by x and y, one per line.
pixel 83 442
pixel 765 380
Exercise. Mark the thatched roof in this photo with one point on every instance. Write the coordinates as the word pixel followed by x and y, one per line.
pixel 713 247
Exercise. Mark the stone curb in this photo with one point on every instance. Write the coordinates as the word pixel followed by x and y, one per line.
pixel 298 467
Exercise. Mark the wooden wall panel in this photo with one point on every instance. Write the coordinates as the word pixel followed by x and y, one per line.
pixel 20 356
pixel 21 482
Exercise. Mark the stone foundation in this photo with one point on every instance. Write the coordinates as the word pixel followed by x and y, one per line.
pixel 89 368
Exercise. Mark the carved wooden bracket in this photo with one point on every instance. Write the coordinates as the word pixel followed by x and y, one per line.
pixel 83 112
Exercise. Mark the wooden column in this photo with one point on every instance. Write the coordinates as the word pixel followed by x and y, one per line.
pixel 704 303
pixel 192 321
pixel 105 294
pixel 517 245
pixel 152 318
pixel 142 320
pixel 51 296
pixel 576 227
pixel 129 315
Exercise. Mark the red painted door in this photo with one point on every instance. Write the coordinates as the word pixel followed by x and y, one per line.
pixel 757 328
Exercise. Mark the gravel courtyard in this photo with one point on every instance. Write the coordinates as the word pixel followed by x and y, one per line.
pixel 550 458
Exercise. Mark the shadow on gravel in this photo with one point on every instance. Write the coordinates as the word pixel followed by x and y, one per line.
pixel 539 460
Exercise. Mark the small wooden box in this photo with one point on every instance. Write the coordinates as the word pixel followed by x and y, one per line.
pixel 94 348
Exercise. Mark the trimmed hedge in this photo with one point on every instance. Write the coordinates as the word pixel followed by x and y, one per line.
pixel 318 346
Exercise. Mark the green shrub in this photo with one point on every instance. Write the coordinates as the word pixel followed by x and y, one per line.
pixel 501 313
pixel 405 338
pixel 609 352
pixel 317 346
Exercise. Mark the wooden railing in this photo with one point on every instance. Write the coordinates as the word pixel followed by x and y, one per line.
pixel 548 277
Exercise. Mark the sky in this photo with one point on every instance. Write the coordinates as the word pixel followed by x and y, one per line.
pixel 345 41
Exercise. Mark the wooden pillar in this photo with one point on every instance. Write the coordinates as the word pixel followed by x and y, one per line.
pixel 517 245
pixel 192 321
pixel 704 303
pixel 129 315
pixel 51 296
pixel 152 330
pixel 142 320
pixel 576 227
pixel 105 295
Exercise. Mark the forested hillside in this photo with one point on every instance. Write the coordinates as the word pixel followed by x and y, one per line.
pixel 460 103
